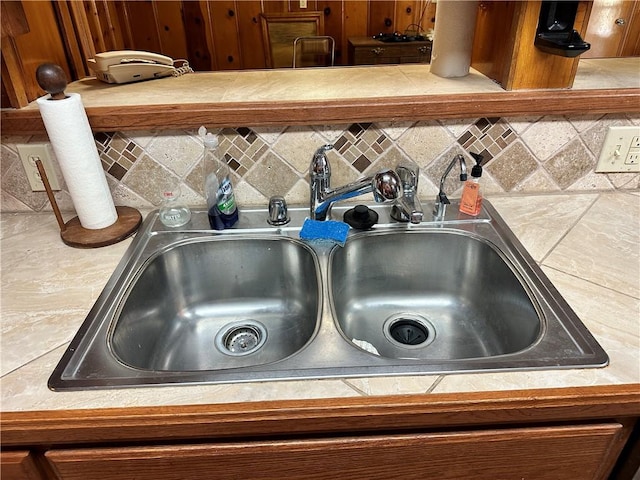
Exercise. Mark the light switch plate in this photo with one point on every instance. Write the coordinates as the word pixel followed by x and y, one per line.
pixel 620 151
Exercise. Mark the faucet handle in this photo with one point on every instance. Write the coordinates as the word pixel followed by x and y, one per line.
pixel 320 163
pixel 278 214
pixel 408 172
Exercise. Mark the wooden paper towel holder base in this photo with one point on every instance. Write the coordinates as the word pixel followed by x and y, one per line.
pixel 75 235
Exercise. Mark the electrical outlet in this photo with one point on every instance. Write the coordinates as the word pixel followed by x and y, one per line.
pixel 620 150
pixel 303 3
pixel 633 158
pixel 29 154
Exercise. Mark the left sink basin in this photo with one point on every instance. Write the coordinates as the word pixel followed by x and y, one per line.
pixel 211 304
pixel 193 305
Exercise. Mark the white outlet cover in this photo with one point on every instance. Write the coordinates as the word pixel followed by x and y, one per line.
pixel 620 151
pixel 28 153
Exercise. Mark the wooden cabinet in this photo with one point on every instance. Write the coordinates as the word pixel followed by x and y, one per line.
pixel 572 433
pixel 504 49
pixel 573 451
pixel 369 51
pixel 18 465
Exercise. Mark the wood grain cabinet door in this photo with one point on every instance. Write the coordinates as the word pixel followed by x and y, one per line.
pixel 559 452
pixel 18 465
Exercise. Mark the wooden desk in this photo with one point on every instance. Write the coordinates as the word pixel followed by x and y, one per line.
pixel 368 51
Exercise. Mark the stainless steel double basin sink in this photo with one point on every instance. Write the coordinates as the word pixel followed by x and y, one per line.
pixel 255 303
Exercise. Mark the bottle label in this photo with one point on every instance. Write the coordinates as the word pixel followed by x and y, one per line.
pixel 226 201
pixel 470 201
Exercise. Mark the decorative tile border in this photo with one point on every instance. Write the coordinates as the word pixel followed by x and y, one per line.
pixel 516 156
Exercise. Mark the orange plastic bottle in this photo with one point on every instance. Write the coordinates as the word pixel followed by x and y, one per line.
pixel 471 200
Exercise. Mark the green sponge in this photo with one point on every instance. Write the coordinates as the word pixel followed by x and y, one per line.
pixel 325 232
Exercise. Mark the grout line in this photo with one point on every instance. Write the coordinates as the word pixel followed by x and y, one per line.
pixel 353 387
pixel 435 384
pixel 592 282
pixel 35 359
pixel 570 229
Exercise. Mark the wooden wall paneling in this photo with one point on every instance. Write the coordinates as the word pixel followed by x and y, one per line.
pixel 83 36
pixel 382 16
pixel 68 31
pixel 14 23
pixel 13 19
pixel 224 30
pixel 119 7
pixel 143 27
pixel 607 37
pixel 13 76
pixel 333 26
pixel 428 15
pixel 173 42
pixel 356 21
pixel 195 24
pixel 631 44
pixel 105 24
pixel 406 15
pixel 275 6
pixel 250 34
pixel 93 22
pixel 42 44
pixel 294 6
pixel 116 36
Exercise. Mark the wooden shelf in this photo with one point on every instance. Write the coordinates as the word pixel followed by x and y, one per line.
pixel 314 112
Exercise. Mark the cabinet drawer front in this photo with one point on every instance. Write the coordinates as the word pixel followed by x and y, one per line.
pixel 18 465
pixel 575 452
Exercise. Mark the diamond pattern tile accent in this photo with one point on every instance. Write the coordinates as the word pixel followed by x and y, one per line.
pixel 488 137
pixel 242 147
pixel 362 144
pixel 117 153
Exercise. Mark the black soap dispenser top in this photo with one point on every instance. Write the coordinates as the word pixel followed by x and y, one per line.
pixel 555 34
pixel 476 171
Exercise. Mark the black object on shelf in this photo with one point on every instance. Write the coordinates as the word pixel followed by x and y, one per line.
pixel 398 37
pixel 555 34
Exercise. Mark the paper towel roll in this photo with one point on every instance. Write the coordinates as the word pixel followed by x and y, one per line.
pixel 72 141
pixel 453 37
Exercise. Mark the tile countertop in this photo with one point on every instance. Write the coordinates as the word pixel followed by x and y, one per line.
pixel 587 243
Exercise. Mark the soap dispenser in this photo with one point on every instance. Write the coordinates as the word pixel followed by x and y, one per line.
pixel 471 201
pixel 555 34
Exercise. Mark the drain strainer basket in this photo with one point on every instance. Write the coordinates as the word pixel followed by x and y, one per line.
pixel 241 338
pixel 409 330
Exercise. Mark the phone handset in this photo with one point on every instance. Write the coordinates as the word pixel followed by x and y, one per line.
pixel 126 66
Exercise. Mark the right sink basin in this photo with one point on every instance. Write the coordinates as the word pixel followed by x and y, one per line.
pixel 440 294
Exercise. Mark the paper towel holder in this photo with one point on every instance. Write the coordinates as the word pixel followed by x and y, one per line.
pixel 52 79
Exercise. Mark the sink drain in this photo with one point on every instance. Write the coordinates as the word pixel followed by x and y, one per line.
pixel 409 330
pixel 241 338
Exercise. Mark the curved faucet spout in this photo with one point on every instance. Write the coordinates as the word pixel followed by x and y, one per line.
pixel 384 185
pixel 442 201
